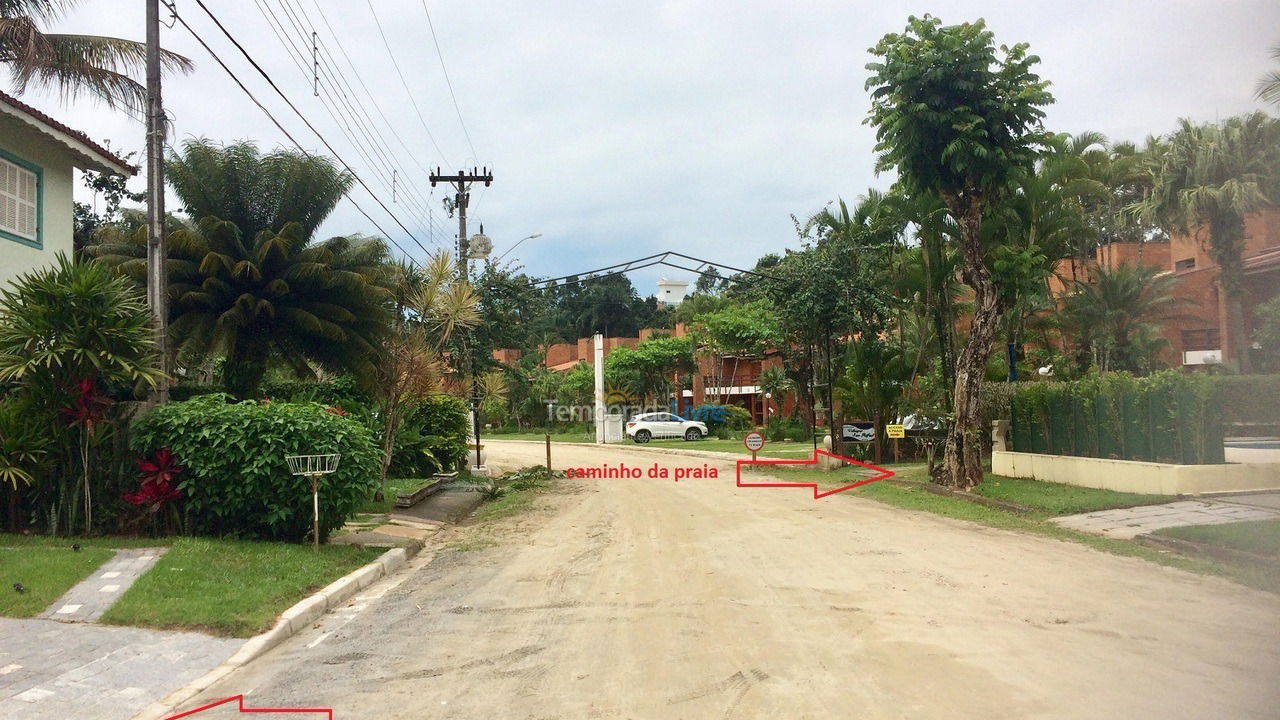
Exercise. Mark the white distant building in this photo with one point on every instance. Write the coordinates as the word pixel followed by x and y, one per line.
pixel 671 292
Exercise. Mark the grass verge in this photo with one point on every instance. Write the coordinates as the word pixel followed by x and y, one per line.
pixel 44 571
pixel 914 498
pixel 388 502
pixel 234 588
pixel 1255 536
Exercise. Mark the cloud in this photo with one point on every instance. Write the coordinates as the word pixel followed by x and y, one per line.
pixel 618 129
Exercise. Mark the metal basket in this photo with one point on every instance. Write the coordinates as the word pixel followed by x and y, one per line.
pixel 311 465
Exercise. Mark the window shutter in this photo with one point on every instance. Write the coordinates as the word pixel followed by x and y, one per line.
pixel 18 201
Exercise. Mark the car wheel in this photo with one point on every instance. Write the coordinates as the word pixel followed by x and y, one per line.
pixel 692 434
pixel 642 436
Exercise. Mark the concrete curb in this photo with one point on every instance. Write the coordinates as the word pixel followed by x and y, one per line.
pixel 290 623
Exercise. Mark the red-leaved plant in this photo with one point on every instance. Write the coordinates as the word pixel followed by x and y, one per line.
pixel 158 486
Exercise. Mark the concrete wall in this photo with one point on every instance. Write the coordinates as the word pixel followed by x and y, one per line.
pixel 20 140
pixel 1137 477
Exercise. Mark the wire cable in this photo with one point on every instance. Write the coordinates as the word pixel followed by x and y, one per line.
pixel 403 82
pixel 287 134
pixel 293 107
pixel 449 83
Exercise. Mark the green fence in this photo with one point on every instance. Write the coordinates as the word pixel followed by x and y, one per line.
pixel 1166 417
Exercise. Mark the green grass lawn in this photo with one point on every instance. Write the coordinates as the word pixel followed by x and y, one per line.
pixel 46 572
pixel 394 485
pixel 1256 536
pixel 1060 499
pixel 230 587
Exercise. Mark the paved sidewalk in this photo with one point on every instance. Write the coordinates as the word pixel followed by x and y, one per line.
pixel 1131 522
pixel 89 599
pixel 62 671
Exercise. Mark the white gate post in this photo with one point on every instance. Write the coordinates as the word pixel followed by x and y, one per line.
pixel 599 367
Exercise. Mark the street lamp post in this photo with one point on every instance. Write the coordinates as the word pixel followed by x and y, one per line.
pixel 513 247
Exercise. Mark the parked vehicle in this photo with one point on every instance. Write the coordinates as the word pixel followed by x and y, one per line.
pixel 643 428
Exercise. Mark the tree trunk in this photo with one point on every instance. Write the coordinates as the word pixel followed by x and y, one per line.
pixel 1227 248
pixel 962 462
pixel 246 364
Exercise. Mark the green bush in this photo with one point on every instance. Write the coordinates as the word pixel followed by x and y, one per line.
pixel 738 418
pixel 432 438
pixel 1165 417
pixel 237 482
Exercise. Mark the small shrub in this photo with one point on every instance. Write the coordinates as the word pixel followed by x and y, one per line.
pixel 237 482
pixel 738 418
pixel 432 438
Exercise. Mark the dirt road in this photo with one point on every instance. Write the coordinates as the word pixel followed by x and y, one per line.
pixel 652 599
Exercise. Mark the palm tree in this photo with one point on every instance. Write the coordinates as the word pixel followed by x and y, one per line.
pixel 1117 316
pixel 1212 176
pixel 73 64
pixel 1269 85
pixel 277 296
pixel 249 281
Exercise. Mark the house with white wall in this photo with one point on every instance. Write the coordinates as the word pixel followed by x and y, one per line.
pixel 38 156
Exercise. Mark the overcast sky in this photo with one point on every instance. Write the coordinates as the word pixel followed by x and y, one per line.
pixel 620 129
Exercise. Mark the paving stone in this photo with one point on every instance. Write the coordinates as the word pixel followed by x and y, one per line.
pixel 88 600
pixel 1131 522
pixel 105 673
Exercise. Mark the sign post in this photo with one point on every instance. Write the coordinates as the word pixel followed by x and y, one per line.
pixel 895 433
pixel 754 441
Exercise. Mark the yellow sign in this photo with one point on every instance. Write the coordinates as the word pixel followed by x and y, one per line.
pixel 895 432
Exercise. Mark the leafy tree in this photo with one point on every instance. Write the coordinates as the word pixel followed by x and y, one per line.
pixel 956 118
pixel 1118 316
pixel 833 289
pixel 100 66
pixel 114 190
pixel 1211 177
pixel 653 363
pixel 734 332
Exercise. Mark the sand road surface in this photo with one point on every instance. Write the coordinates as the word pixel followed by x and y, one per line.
pixel 654 599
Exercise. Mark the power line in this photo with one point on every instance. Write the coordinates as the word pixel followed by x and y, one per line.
pixel 297 112
pixel 396 65
pixel 386 173
pixel 372 100
pixel 286 133
pixel 449 83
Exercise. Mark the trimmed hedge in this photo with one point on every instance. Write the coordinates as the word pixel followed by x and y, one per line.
pixel 1249 399
pixel 1166 417
pixel 237 482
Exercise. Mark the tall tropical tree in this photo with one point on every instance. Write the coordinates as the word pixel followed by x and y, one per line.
pixel 1209 178
pixel 957 118
pixel 103 67
pixel 1117 316
pixel 248 280
pixel 432 305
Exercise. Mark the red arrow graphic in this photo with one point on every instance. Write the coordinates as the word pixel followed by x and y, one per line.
pixel 239 700
pixel 881 474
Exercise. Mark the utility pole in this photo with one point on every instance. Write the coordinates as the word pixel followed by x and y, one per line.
pixel 461 199
pixel 157 277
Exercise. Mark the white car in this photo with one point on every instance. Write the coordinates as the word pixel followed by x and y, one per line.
pixel 643 428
